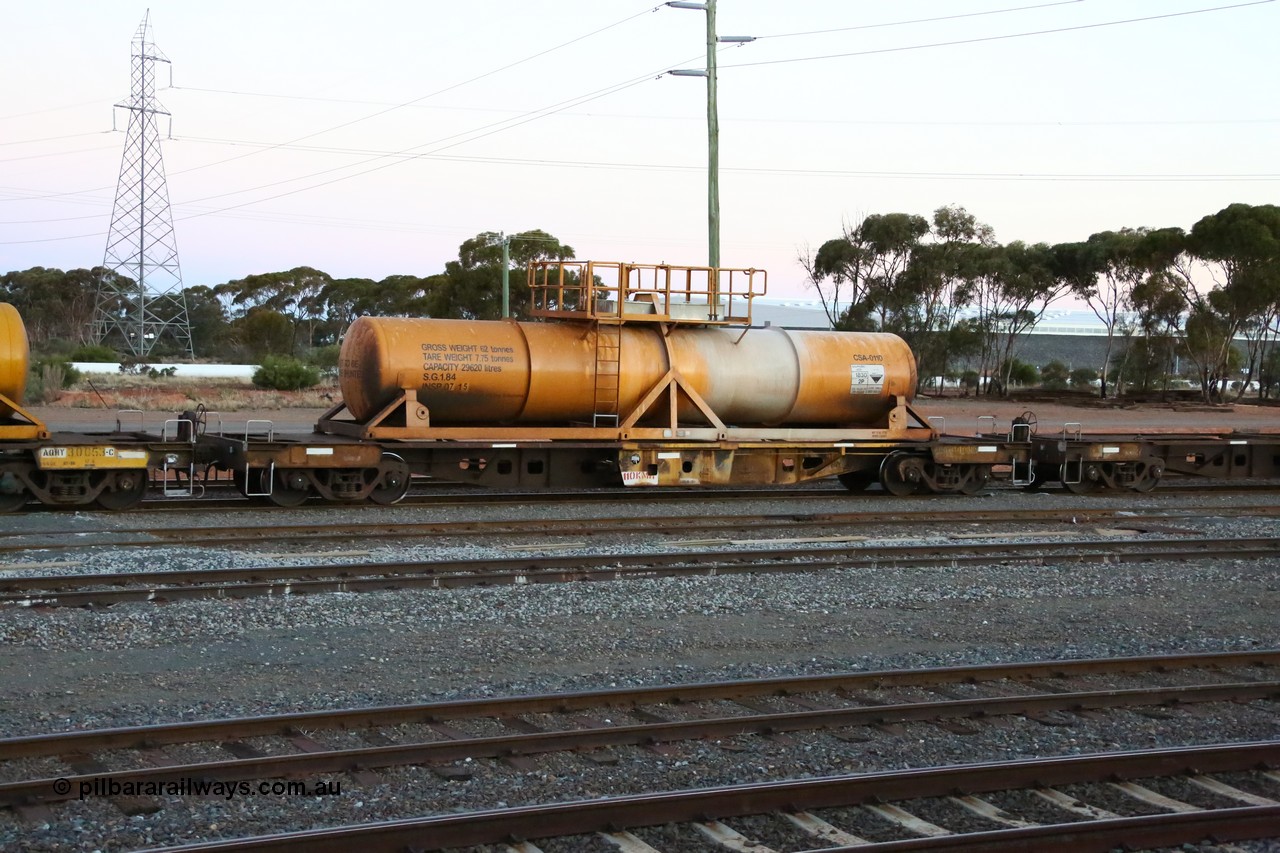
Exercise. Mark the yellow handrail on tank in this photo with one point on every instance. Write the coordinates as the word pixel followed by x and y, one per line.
pixel 612 291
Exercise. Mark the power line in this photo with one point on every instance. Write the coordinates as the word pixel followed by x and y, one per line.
pixel 58 153
pixel 763 170
pixel 979 39
pixel 487 130
pixel 919 20
pixel 53 109
pixel 995 177
pixel 449 88
pixel 54 138
pixel 785 120
pixel 313 98
pixel 471 136
pixel 516 161
pixel 497 127
pixel 391 108
pixel 536 114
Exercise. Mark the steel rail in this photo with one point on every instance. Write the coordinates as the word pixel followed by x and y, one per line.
pixel 207 535
pixel 138 737
pixel 1168 486
pixel 620 813
pixel 1244 823
pixel 458 494
pixel 77 590
pixel 641 734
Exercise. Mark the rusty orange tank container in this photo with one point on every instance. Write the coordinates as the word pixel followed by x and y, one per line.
pixel 504 372
pixel 14 358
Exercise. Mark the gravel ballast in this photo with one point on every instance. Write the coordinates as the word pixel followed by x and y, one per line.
pixel 130 664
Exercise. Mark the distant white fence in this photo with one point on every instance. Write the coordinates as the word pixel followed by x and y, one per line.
pixel 184 371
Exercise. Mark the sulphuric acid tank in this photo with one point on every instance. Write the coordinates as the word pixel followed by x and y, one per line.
pixel 14 358
pixel 480 372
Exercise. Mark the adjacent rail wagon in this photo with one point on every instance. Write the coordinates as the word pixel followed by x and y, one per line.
pixel 628 374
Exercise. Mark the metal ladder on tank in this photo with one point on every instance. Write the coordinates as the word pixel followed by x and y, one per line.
pixel 608 374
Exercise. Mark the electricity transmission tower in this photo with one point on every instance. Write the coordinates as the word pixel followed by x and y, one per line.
pixel 140 300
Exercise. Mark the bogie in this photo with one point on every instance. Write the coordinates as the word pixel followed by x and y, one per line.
pixel 122 489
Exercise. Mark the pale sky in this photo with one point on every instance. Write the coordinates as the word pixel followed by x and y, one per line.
pixel 284 114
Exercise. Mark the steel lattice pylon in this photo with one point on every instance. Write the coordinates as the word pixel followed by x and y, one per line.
pixel 140 300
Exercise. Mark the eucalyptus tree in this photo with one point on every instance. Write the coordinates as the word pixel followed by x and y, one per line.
pixel 1227 269
pixel 1159 304
pixel 210 332
pixel 936 287
pixel 1103 271
pixel 295 294
pixel 857 275
pixel 1013 287
pixel 838 273
pixel 902 273
pixel 56 305
pixel 892 241
pixel 1240 245
pixel 345 299
pixel 471 287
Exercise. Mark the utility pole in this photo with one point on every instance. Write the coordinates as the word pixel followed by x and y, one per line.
pixel 506 275
pixel 143 302
pixel 504 239
pixel 713 144
pixel 713 123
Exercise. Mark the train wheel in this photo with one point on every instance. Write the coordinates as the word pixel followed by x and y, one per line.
pixel 857 481
pixel 1150 470
pixel 9 503
pixel 975 480
pixel 12 495
pixel 395 481
pixel 124 489
pixel 16 500
pixel 1091 480
pixel 290 489
pixel 902 474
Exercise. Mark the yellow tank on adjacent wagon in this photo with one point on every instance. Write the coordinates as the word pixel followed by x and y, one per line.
pixel 15 355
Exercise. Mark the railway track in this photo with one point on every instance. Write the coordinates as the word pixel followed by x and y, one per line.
pixel 594 528
pixel 806 814
pixel 105 589
pixel 222 497
pixel 595 725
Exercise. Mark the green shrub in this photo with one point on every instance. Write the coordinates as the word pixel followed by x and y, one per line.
pixel 1082 377
pixel 51 347
pixel 326 359
pixel 1020 373
pixel 48 377
pixel 283 373
pixel 94 352
pixel 1054 376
